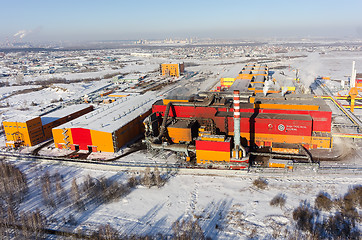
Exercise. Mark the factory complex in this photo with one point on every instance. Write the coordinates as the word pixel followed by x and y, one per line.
pixel 244 118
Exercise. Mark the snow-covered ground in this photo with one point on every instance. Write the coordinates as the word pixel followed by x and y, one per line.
pixel 227 207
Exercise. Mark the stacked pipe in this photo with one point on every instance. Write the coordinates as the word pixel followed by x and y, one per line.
pixel 237 122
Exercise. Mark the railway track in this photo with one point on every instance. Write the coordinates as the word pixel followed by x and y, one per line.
pixel 182 169
pixel 19 156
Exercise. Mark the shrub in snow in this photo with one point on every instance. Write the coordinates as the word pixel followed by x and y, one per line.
pixel 132 182
pixel 103 189
pixel 106 232
pixel 337 225
pixel 305 217
pixel 323 201
pixel 278 200
pixel 187 229
pixel 260 183
pixel 353 198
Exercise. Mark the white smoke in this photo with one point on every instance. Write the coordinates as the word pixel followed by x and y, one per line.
pixel 22 33
pixel 284 90
pixel 311 68
pixel 267 84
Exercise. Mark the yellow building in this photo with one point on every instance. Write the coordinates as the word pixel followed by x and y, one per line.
pixel 23 131
pixel 172 69
pixel 28 131
pixel 226 82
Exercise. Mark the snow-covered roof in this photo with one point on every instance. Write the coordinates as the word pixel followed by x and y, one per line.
pixel 21 118
pixel 239 84
pixel 173 63
pixel 259 78
pixel 50 117
pixel 233 72
pixel 115 115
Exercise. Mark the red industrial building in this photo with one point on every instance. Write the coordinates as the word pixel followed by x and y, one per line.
pixel 282 124
pixel 228 126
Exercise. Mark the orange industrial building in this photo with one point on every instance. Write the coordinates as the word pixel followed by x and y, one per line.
pixel 32 130
pixel 172 69
pixel 106 129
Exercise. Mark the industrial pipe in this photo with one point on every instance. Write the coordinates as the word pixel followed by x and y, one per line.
pixel 243 95
pixel 164 120
pixel 165 116
pixel 175 147
pixel 290 156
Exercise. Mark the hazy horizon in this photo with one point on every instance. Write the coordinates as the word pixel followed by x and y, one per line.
pixel 81 20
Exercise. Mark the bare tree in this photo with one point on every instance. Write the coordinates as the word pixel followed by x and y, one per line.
pixel 46 186
pixel 132 182
pixel 75 194
pixel 187 230
pixel 61 193
pixel 158 180
pixel 147 178
pixel 107 232
pixel 32 225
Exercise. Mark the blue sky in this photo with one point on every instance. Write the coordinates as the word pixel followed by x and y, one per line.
pixel 145 19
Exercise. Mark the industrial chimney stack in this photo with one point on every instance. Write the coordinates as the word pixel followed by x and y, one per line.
pixel 237 122
pixel 352 80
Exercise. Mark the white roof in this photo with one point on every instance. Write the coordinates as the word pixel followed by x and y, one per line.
pixel 173 63
pixel 50 117
pixel 20 118
pixel 115 115
pixel 233 72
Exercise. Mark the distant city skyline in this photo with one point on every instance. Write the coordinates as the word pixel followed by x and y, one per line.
pixel 81 20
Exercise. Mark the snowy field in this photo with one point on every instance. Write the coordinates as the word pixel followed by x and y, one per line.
pixel 227 207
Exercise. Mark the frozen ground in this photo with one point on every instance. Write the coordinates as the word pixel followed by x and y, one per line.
pixel 227 207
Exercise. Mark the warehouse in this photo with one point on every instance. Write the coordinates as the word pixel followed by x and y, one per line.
pixel 106 129
pixel 32 130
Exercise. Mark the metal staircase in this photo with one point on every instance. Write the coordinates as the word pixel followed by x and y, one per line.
pixel 66 138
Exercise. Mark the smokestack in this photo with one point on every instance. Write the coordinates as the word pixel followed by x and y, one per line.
pixel 237 122
pixel 352 80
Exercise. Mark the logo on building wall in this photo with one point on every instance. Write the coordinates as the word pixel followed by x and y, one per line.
pixel 281 127
pixel 270 126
